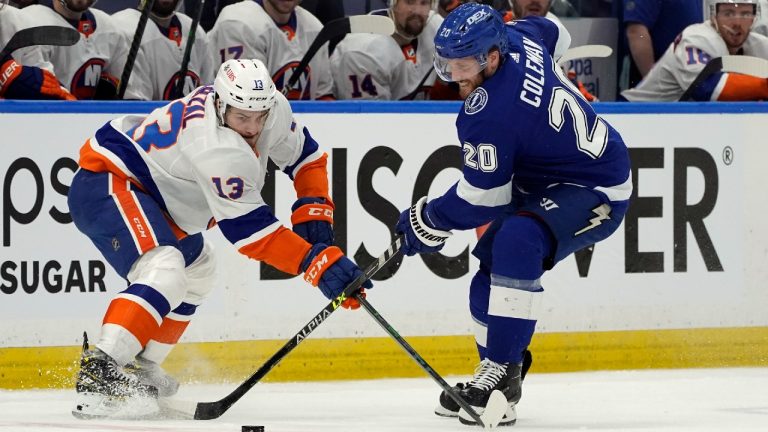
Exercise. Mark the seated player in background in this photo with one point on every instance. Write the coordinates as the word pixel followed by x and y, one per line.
pixel 378 67
pixel 525 8
pixel 18 81
pixel 726 32
pixel 520 120
pixel 277 32
pixel 148 186
pixel 156 70
pixel 91 68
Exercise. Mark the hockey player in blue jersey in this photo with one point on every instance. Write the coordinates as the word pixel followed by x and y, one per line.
pixel 551 175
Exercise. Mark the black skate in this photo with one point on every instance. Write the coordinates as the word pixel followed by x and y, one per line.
pixel 490 376
pixel 449 408
pixel 151 374
pixel 105 390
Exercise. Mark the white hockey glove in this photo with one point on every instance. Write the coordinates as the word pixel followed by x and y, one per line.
pixel 419 237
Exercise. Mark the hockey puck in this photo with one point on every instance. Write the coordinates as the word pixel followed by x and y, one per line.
pixel 247 428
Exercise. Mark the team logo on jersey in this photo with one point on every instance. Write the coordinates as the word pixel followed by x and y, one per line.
pixel 86 78
pixel 302 89
pixel 476 101
pixel 191 82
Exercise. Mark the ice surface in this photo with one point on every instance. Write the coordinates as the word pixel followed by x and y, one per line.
pixel 655 400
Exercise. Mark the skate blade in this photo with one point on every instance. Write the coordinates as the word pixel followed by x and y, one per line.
pixel 92 406
pixel 497 412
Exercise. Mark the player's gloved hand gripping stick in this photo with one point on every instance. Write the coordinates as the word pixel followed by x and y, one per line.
pixel 212 410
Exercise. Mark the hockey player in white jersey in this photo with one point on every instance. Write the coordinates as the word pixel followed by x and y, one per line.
pixel 277 32
pixel 727 32
pixel 367 66
pixel 149 185
pixel 91 68
pixel 18 78
pixel 158 61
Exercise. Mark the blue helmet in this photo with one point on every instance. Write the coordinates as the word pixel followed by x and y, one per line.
pixel 471 29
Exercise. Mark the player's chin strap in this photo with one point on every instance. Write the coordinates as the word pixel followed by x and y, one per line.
pixel 431 237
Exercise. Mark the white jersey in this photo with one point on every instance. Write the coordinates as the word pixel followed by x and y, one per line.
pixel 369 66
pixel 685 58
pixel 244 30
pixel 99 54
pixel 10 23
pixel 158 61
pixel 761 26
pixel 201 171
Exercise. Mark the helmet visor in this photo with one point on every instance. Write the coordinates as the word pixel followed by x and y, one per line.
pixel 459 69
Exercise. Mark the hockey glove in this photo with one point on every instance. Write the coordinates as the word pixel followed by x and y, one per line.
pixel 312 220
pixel 418 236
pixel 327 268
pixel 28 82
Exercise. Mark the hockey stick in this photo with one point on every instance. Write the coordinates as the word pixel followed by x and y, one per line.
pixel 497 404
pixel 585 51
pixel 212 410
pixel 178 91
pixel 412 95
pixel 43 35
pixel 146 7
pixel 745 65
pixel 339 27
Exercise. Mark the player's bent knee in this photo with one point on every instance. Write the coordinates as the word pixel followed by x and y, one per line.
pixel 162 268
pixel 521 247
pixel 201 275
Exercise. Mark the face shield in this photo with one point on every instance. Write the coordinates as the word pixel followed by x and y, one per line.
pixel 459 69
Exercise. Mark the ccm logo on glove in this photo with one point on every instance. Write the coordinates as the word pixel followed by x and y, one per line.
pixel 320 211
pixel 320 263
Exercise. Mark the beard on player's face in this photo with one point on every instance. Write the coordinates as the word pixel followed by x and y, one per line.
pixel 164 8
pixel 79 5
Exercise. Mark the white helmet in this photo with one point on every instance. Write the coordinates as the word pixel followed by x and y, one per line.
pixel 712 5
pixel 244 84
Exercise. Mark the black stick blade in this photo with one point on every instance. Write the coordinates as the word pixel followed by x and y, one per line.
pixel 43 35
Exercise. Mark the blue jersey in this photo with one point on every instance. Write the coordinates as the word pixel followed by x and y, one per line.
pixel 527 128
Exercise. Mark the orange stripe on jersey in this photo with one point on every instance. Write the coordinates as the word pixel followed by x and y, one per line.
pixel 133 214
pixel 132 317
pixel 94 161
pixel 740 87
pixel 312 179
pixel 283 249
pixel 170 331
pixel 482 229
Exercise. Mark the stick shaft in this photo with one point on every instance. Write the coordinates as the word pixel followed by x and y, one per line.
pixel 212 410
pixel 135 45
pixel 179 88
pixel 418 358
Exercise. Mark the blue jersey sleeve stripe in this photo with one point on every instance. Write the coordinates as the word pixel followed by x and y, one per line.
pixel 494 197
pixel 452 212
pixel 246 226
pixel 123 148
pixel 621 192
pixel 310 147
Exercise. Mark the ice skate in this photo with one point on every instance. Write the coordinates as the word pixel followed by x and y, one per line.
pixel 447 407
pixel 490 376
pixel 105 390
pixel 151 374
